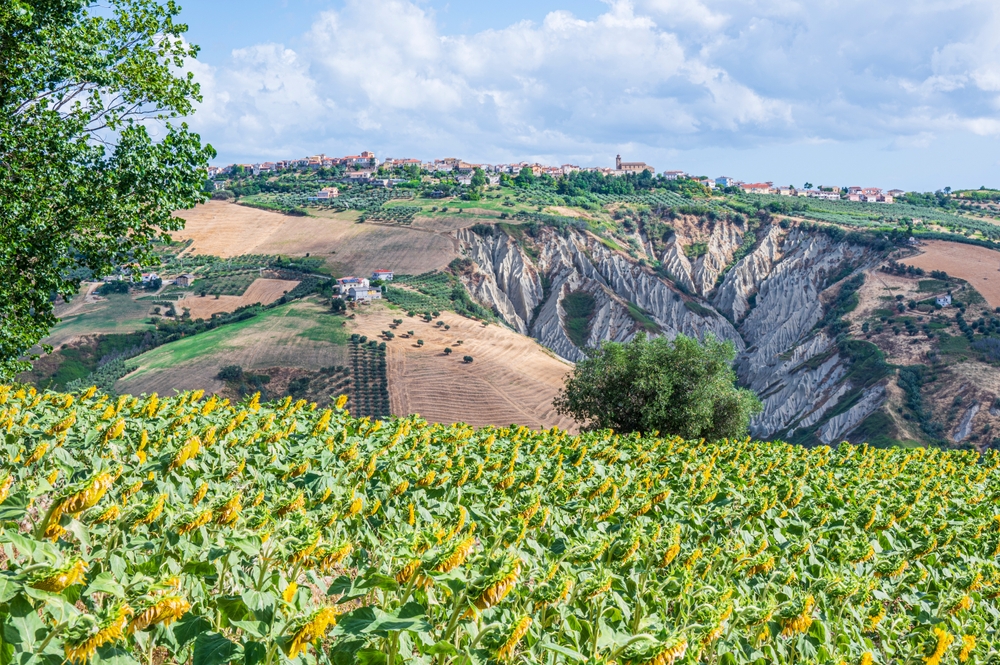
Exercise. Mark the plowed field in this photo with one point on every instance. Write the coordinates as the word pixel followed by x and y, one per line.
pixel 512 379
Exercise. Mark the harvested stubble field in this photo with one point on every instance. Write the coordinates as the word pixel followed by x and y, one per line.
pixel 512 378
pixel 979 266
pixel 263 291
pixel 227 230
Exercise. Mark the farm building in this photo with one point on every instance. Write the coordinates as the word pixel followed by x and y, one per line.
pixel 384 275
pixel 346 283
pixel 364 293
pixel 944 300
pixel 184 280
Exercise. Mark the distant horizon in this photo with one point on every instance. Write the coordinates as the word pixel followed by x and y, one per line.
pixel 909 98
pixel 658 171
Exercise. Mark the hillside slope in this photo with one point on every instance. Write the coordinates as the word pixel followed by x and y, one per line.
pixel 817 326
pixel 780 305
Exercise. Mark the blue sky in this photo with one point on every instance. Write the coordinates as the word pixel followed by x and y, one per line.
pixel 838 92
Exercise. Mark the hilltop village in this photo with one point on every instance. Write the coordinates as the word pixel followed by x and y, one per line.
pixel 366 168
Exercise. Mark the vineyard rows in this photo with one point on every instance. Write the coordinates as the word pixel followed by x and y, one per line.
pixel 369 381
pixel 192 530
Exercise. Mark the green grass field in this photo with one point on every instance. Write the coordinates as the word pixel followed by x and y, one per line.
pixel 118 314
pixel 298 333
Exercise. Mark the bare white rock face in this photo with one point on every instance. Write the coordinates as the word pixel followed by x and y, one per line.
pixel 768 305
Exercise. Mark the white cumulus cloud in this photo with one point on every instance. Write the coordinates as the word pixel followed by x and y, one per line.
pixel 652 76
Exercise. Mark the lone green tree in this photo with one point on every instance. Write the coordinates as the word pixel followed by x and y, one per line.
pixel 678 386
pixel 92 158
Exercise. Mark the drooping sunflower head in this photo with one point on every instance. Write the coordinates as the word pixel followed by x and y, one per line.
pixel 662 650
pixel 84 638
pixel 57 580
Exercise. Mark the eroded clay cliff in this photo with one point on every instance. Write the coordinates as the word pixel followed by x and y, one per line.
pixel 768 304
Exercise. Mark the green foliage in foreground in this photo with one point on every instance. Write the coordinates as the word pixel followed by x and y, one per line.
pixel 84 187
pixel 678 386
pixel 192 530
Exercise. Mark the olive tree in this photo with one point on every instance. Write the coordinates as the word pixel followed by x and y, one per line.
pixel 677 386
pixel 92 158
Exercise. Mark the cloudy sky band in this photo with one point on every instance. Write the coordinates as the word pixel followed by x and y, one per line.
pixel 895 94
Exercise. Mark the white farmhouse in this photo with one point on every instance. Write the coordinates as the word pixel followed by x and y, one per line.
pixel 365 293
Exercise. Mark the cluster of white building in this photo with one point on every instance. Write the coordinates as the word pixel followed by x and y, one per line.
pixel 862 194
pixel 360 289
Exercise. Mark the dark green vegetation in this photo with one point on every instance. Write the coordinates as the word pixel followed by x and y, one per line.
pixel 642 318
pixel 84 187
pixel 680 387
pixel 579 308
pixel 911 379
pixel 244 383
pixel 698 308
pixel 78 362
pixel 845 303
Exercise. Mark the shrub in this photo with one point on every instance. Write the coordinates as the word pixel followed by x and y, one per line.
pixel 230 373
pixel 467 359
pixel 118 286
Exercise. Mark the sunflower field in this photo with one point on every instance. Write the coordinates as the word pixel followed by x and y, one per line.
pixel 190 530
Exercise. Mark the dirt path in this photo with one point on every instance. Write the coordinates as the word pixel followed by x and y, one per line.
pixel 84 298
